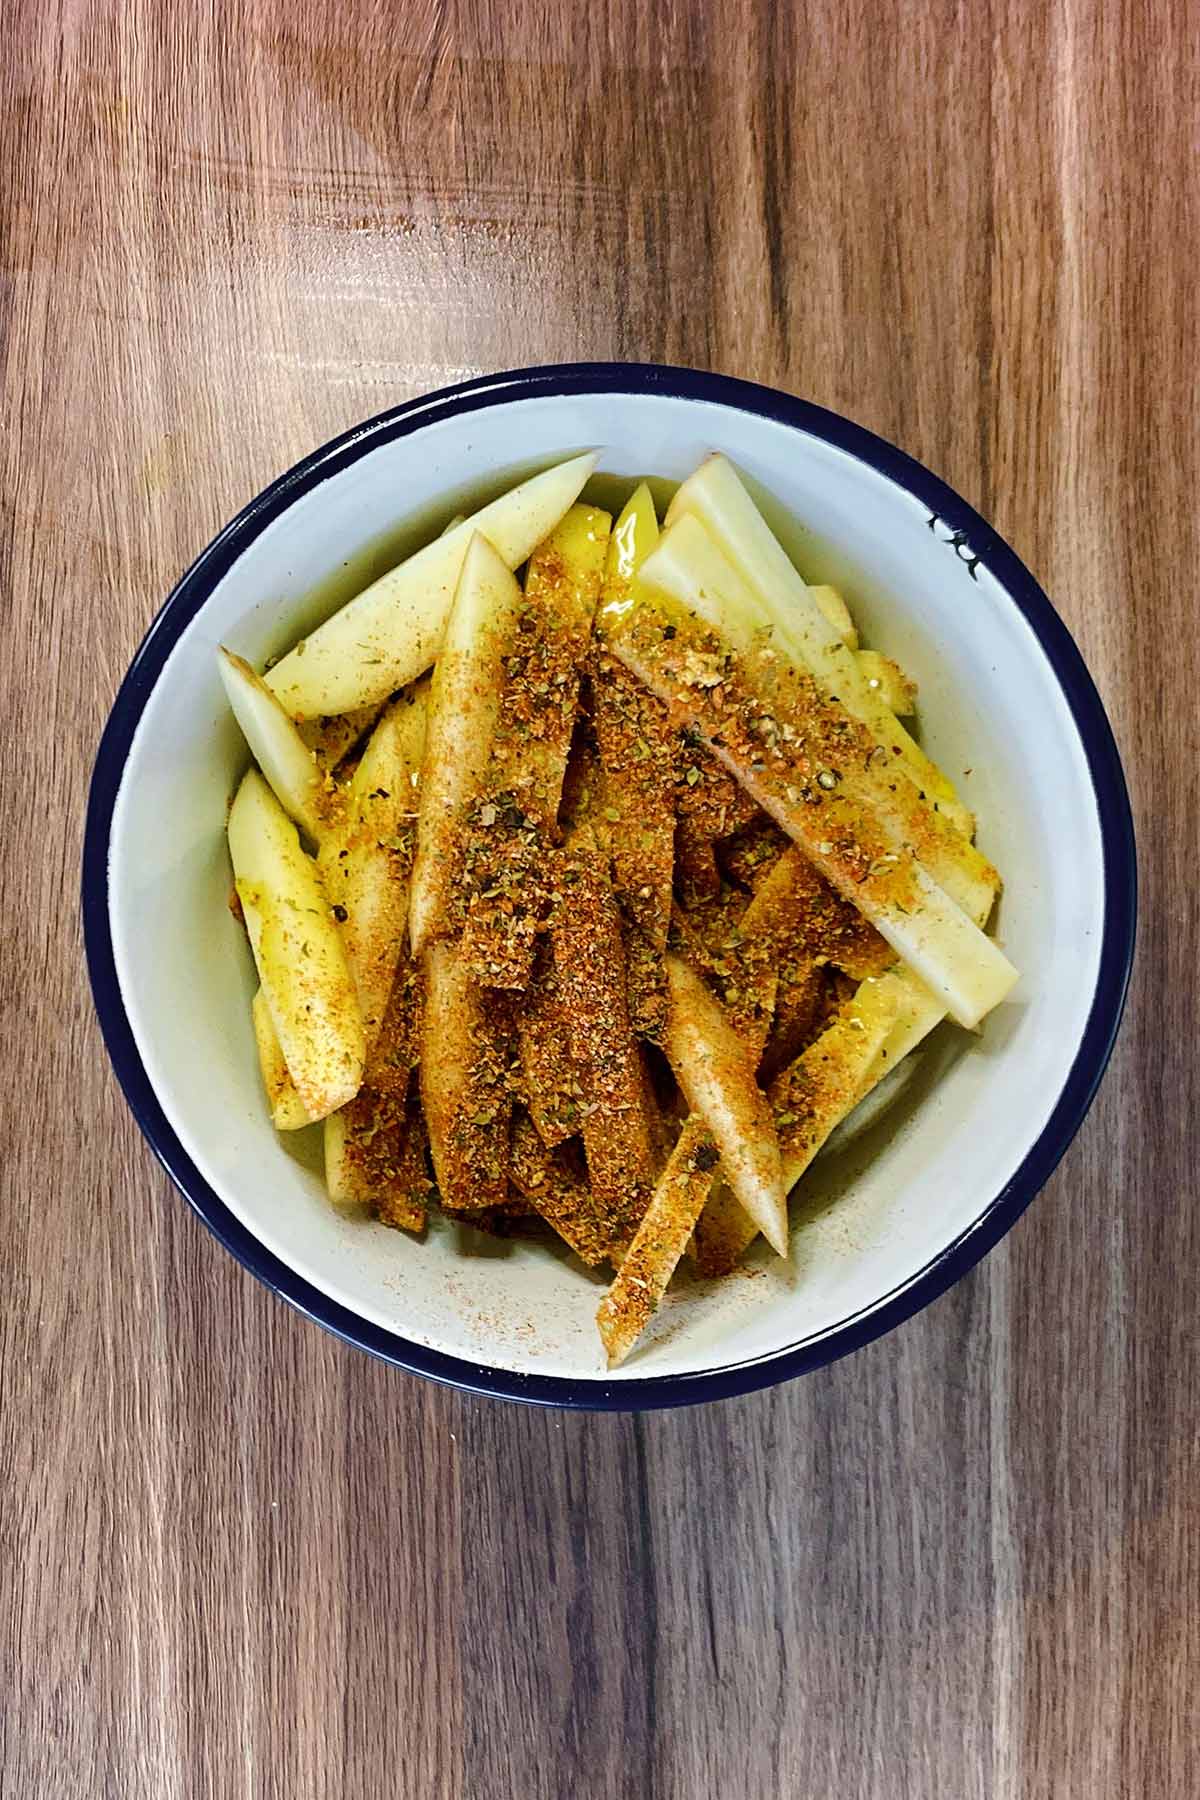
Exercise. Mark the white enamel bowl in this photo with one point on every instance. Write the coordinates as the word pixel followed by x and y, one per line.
pixel 889 1219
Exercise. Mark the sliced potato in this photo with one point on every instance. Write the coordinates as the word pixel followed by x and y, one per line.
pixel 918 1012
pixel 510 832
pixel 287 1114
pixel 465 1051
pixel 816 1092
pixel 738 961
pixel 558 1193
pixel 709 805
pixel 761 962
pixel 374 1157
pixel 637 754
pixel 810 1099
pixel 793 904
pixel 366 863
pixel 724 1232
pixel 659 1242
pixel 549 1078
pixel 770 726
pixel 464 705
pixel 690 568
pixel 646 981
pixel 716 499
pixel 717 1076
pixel 298 951
pixel 589 963
pixel 562 590
pixel 332 738
pixel 888 680
pixel 633 538
pixel 836 612
pixel 391 632
pixel 637 748
pixel 276 745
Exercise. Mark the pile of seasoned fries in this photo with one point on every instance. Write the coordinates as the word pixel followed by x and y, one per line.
pixel 596 900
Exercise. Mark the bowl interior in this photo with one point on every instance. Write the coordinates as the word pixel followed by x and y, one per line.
pixel 879 1206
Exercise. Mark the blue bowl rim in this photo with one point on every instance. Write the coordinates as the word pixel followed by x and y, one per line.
pixel 1079 691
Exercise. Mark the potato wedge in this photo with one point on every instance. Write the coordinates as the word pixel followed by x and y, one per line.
pixel 276 745
pixel 837 613
pixel 659 1242
pixel 709 805
pixel 690 568
pixel 793 917
pixel 772 727
pixel 549 1079
pixel 374 1157
pixel 332 738
pixel 888 680
pixel 724 1232
pixel 391 632
pixel 558 1193
pixel 794 905
pixel 589 964
pixel 298 951
pixel 716 498
pixel 465 1054
pixel 510 831
pixel 637 749
pixel 814 1094
pixel 717 1076
pixel 633 538
pixel 366 863
pixel 809 1100
pixel 287 1114
pixel 918 1012
pixel 464 706
pixel 392 1057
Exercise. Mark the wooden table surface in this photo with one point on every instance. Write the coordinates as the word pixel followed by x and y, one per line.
pixel 237 1558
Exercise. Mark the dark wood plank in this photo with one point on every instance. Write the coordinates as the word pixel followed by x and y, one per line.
pixel 238 1558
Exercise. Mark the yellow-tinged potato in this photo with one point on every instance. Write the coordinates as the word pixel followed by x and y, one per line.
pixel 637 753
pixel 375 1157
pixel 558 1193
pixel 616 1120
pixel 888 679
pixel 509 833
pixel 464 702
pixel 298 951
pixel 391 632
pixel 837 612
pixel 813 1095
pixel 716 498
pixel 810 1098
pixel 717 1077
pixel 724 1232
pixel 634 536
pixel 465 1052
pixel 659 1242
pixel 332 738
pixel 287 1114
pixel 365 864
pixel 276 745
pixel 727 686
pixel 689 570
pixel 548 1075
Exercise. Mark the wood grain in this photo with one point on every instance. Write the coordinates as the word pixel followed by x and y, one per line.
pixel 239 1559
